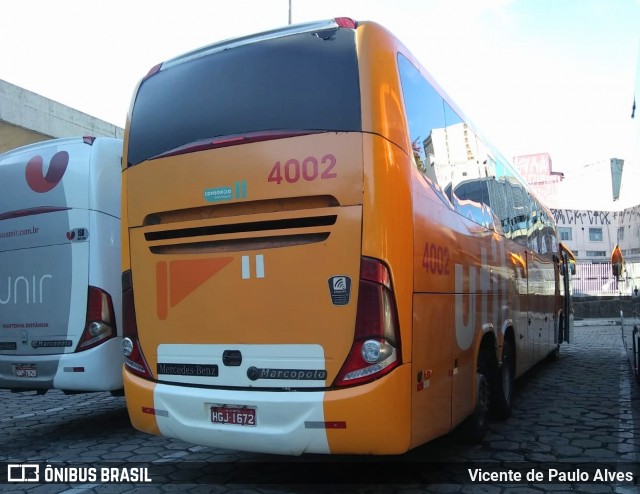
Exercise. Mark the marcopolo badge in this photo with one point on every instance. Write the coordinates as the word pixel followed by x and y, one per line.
pixel 340 289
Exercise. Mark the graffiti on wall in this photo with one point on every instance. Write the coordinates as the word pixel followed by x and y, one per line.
pixel 629 216
pixel 623 227
pixel 585 217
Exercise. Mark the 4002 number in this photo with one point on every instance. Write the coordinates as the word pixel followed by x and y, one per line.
pixel 435 259
pixel 309 170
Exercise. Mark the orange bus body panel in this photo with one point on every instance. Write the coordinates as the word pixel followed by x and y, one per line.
pixel 382 102
pixel 201 285
pixel 139 396
pixel 379 416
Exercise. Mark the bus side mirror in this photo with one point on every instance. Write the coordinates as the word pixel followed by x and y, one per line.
pixel 572 267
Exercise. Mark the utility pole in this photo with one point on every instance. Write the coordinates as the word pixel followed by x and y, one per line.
pixel 290 12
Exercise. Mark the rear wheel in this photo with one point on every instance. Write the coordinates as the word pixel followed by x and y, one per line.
pixel 502 395
pixel 477 424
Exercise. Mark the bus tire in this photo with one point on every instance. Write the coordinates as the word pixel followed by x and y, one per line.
pixel 554 356
pixel 477 423
pixel 502 392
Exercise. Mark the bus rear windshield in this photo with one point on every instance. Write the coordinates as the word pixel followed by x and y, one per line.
pixel 299 82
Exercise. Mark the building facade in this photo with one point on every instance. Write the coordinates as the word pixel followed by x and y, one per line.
pixel 27 117
pixel 537 170
pixel 590 234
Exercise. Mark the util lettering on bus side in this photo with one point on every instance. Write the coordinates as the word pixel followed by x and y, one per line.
pixel 481 282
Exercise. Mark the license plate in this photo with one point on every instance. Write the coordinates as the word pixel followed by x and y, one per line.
pixel 233 415
pixel 26 371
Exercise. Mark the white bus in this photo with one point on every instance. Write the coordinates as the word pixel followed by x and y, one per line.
pixel 60 295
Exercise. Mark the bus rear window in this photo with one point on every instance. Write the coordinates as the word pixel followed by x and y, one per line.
pixel 293 83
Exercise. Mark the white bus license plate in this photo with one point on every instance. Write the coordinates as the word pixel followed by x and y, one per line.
pixel 26 371
pixel 233 415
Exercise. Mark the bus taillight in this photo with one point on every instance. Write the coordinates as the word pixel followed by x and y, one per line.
pixel 100 323
pixel 345 22
pixel 376 344
pixel 133 356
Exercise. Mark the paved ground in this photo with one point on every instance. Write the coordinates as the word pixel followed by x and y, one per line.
pixel 574 417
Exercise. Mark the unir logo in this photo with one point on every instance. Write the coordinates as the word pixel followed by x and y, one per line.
pixel 34 172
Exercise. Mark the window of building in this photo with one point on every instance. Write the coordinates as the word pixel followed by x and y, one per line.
pixel 565 233
pixel 596 253
pixel 620 233
pixel 595 234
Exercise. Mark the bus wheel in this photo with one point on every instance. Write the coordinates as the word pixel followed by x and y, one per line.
pixel 502 396
pixel 555 354
pixel 477 424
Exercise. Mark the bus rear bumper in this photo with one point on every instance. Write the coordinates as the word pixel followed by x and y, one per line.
pixel 372 419
pixel 96 369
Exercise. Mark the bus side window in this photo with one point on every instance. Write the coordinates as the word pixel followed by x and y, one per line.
pixel 424 108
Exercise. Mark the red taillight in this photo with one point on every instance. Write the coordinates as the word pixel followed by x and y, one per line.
pixel 134 358
pixel 100 322
pixel 345 22
pixel 375 271
pixel 376 343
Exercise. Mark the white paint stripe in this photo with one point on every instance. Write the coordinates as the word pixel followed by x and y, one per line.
pixel 180 454
pixel 246 268
pixel 260 266
pixel 171 457
pixel 195 449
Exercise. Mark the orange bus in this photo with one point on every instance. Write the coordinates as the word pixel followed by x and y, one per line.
pixel 320 253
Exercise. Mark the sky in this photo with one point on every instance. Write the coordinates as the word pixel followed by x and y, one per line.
pixel 535 76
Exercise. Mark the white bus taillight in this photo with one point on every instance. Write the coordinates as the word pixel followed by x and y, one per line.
pixel 134 358
pixel 376 344
pixel 100 324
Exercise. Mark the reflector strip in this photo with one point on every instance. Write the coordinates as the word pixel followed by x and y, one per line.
pixel 246 268
pixel 73 369
pixel 259 266
pixel 325 425
pixel 154 411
